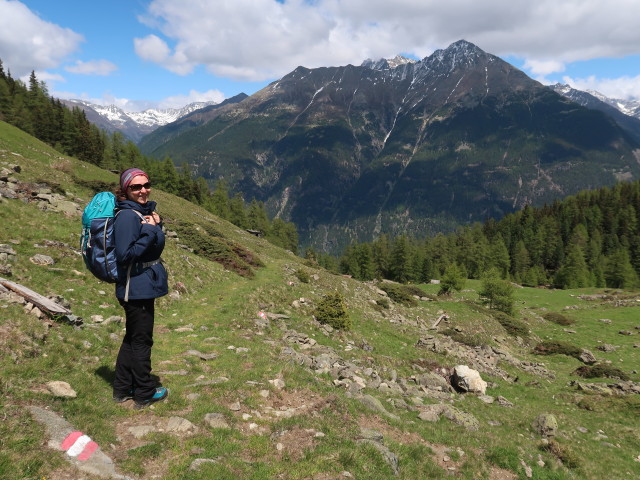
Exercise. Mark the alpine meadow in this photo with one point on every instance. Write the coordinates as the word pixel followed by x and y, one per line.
pixel 382 285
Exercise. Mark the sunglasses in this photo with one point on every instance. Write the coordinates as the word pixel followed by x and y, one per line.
pixel 140 186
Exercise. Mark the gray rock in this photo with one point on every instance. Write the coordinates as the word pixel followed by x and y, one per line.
pixel 546 425
pixel 40 259
pixel 216 420
pixel 468 380
pixel 59 430
pixel 61 389
pixel 376 405
pixel 587 357
pixel 180 425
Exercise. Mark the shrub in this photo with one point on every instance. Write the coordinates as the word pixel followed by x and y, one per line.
pixel 513 326
pixel 562 453
pixel 383 302
pixel 553 347
pixel 453 279
pixel 303 276
pixel 332 311
pixel 558 318
pixel 231 255
pixel 601 371
pixel 496 292
pixel 400 294
pixel 461 337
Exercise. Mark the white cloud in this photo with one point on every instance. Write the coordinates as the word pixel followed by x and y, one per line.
pixel 264 39
pixel 92 67
pixel 29 43
pixel 179 101
pixel 624 88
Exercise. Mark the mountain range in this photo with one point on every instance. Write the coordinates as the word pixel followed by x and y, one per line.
pixel 133 125
pixel 348 153
pixel 402 146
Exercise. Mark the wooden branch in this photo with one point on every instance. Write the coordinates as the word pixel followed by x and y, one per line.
pixel 444 316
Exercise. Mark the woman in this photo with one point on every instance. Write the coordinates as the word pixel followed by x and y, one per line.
pixel 141 279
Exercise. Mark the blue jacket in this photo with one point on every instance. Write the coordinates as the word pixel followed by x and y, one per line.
pixel 138 243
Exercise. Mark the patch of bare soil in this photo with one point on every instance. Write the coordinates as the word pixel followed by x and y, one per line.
pixel 294 443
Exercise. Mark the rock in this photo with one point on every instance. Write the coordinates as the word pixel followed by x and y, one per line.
pixel 587 357
pixel 528 471
pixel 376 405
pixel 40 259
pixel 198 462
pixel 546 425
pixel 375 439
pixel 608 348
pixel 62 436
pixel 277 383
pixel 180 425
pixel 503 402
pixel 216 420
pixel 61 389
pixel 432 413
pixel 468 380
pixel 140 431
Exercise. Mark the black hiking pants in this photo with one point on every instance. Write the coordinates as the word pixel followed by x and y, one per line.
pixel 133 365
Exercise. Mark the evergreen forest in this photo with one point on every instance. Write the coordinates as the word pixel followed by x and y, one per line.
pixel 33 110
pixel 587 240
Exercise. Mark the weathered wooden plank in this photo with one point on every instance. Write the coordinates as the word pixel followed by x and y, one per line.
pixel 42 302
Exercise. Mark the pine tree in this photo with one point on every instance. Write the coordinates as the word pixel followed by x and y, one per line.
pixel 496 292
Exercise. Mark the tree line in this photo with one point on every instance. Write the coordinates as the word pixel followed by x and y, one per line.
pixel 31 109
pixel 591 239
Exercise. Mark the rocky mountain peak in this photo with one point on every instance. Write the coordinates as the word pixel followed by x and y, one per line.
pixel 387 63
pixel 459 54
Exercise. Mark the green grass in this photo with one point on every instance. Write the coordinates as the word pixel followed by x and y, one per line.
pixel 221 305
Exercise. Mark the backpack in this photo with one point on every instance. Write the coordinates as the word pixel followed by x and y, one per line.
pixel 97 243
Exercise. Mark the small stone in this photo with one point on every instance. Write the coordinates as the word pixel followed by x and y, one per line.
pixel 61 389
pixel 278 383
pixel 235 407
pixel 216 420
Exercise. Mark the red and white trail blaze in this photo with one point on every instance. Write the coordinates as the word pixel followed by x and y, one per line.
pixel 79 445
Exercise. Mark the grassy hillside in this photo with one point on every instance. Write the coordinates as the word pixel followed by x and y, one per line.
pixel 260 390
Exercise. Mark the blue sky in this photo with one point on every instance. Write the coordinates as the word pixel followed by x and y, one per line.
pixel 139 54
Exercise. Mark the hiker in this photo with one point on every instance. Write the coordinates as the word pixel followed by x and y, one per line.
pixel 139 241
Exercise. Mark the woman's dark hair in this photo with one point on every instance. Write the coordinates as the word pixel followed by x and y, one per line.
pixel 120 194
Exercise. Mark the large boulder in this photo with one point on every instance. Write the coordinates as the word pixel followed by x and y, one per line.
pixel 546 425
pixel 468 380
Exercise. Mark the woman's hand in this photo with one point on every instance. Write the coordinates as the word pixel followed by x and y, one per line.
pixel 153 219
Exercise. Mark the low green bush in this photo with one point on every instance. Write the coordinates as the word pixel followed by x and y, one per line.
pixel 303 276
pixel 332 311
pixel 512 325
pixel 562 452
pixel 558 318
pixel 601 371
pixel 400 294
pixel 561 348
pixel 461 337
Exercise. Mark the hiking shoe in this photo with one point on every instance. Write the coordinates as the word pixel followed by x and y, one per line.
pixel 161 394
pixel 122 397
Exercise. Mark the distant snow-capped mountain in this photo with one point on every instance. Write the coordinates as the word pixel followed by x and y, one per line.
pixel 133 125
pixel 628 107
pixel 625 112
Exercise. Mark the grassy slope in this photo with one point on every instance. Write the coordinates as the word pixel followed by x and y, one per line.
pixel 220 307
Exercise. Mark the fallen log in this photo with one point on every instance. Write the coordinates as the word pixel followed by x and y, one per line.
pixel 42 302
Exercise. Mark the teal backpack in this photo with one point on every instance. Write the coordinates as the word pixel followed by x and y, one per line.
pixel 97 243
